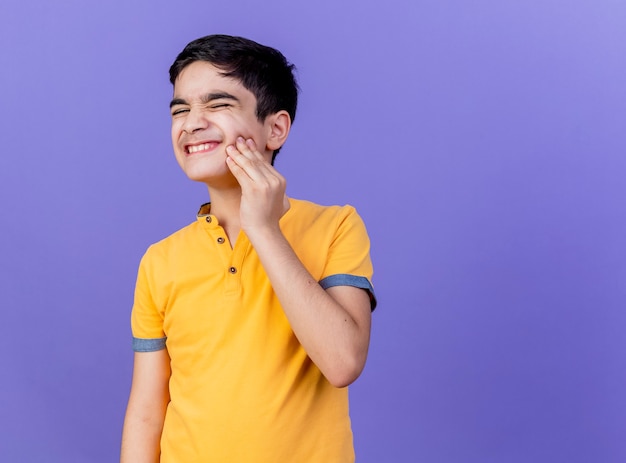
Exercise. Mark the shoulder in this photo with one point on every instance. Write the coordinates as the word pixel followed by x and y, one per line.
pixel 308 211
pixel 172 243
pixel 307 224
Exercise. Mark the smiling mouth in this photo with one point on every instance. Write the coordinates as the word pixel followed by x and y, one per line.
pixel 201 147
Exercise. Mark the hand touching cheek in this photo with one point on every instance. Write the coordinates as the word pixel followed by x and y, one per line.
pixel 263 198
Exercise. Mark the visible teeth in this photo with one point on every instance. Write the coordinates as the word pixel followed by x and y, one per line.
pixel 196 148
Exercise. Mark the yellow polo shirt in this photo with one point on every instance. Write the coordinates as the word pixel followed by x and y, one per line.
pixel 242 387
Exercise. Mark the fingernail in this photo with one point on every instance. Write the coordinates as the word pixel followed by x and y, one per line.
pixel 240 139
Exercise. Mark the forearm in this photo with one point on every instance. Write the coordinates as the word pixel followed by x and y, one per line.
pixel 335 340
pixel 334 330
pixel 140 439
pixel 145 414
pixel 142 434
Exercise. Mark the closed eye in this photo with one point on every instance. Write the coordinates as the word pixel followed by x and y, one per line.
pixel 178 111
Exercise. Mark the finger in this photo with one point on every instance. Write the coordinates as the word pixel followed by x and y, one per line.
pixel 248 148
pixel 251 149
pixel 251 144
pixel 235 161
pixel 252 168
pixel 242 177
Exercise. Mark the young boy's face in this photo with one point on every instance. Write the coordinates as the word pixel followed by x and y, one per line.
pixel 209 111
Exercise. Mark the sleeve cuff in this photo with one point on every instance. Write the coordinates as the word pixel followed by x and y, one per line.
pixel 342 279
pixel 148 345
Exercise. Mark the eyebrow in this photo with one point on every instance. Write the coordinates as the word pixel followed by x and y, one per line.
pixel 209 97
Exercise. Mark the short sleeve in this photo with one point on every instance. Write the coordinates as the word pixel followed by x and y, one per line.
pixel 146 315
pixel 348 262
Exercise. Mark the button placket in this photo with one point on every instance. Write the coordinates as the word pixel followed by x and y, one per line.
pixel 233 268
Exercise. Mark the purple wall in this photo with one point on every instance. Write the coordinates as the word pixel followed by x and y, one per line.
pixel 484 145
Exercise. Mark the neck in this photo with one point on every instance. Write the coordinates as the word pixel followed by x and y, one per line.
pixel 225 205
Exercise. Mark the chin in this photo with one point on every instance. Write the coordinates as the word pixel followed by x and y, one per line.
pixel 201 168
pixel 211 176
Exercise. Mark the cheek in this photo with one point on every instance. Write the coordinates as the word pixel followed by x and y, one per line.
pixel 176 132
pixel 240 125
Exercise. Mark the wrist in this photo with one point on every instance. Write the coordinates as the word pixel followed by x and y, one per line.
pixel 263 233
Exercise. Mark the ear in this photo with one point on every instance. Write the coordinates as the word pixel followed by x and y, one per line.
pixel 278 126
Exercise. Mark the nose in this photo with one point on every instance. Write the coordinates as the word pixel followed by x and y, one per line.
pixel 195 120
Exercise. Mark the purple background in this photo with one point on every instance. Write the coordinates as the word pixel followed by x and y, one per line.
pixel 483 143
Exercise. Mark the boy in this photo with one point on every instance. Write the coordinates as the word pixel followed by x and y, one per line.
pixel 248 323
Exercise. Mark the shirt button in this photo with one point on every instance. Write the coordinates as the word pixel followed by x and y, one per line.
pixel 220 240
pixel 232 270
pixel 208 218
